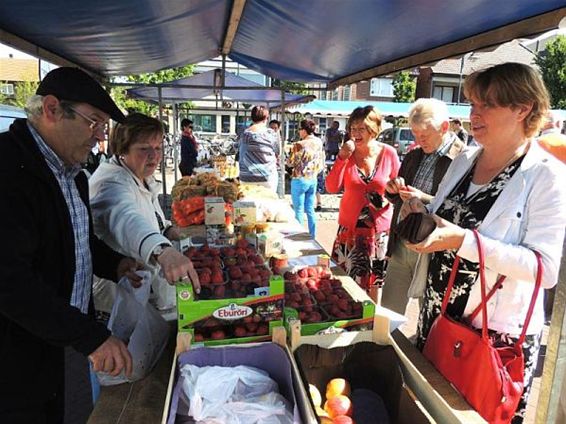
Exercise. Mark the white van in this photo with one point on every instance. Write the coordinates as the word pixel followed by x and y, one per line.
pixel 8 114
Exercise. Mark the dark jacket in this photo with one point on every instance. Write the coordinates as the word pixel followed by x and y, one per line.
pixel 408 170
pixel 188 154
pixel 37 267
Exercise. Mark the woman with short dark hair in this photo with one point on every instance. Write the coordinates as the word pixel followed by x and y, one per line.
pixel 126 212
pixel 306 160
pixel 258 152
pixel 189 148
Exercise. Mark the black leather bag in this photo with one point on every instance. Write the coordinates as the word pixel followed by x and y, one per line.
pixel 415 227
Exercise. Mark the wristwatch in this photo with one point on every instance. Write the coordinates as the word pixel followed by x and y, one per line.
pixel 159 249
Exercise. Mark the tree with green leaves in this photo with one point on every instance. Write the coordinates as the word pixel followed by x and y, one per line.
pixel 404 87
pixel 148 108
pixel 23 90
pixel 290 86
pixel 552 65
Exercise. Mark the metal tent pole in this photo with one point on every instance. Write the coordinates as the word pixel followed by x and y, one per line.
pixel 163 175
pixel 282 158
pixel 175 136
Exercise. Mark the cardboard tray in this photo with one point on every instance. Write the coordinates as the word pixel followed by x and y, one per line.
pixel 425 388
pixel 269 356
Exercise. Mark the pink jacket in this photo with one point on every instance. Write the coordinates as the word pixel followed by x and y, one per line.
pixel 344 175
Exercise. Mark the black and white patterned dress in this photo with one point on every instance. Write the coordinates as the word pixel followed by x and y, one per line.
pixel 469 212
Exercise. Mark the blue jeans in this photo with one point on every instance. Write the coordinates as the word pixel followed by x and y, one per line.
pixel 303 195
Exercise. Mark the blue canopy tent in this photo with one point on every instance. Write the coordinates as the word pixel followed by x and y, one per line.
pixel 207 85
pixel 213 85
pixel 317 40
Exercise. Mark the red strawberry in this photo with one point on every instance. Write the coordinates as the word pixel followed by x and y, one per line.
pixel 240 331
pixel 218 335
pixel 220 292
pixel 217 277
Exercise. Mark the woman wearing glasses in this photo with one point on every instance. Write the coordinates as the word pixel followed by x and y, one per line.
pixel 126 210
pixel 362 169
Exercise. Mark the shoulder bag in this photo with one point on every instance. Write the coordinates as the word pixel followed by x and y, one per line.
pixel 489 378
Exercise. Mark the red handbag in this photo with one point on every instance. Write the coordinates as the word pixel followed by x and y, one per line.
pixel 490 378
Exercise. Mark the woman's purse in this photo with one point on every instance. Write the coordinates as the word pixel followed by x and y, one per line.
pixel 490 378
pixel 415 227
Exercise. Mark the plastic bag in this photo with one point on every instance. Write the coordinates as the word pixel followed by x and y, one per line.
pixel 236 395
pixel 139 325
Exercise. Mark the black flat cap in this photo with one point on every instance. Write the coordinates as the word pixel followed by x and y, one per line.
pixel 75 85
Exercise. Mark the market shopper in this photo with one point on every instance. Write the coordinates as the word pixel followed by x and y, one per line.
pixel 510 190
pixel 189 148
pixel 333 140
pixel 259 151
pixel 420 174
pixel 50 253
pixel 362 169
pixel 127 215
pixel 306 161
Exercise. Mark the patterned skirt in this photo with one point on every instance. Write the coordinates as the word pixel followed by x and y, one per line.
pixel 361 254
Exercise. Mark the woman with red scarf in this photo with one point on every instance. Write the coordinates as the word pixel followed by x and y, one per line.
pixel 189 148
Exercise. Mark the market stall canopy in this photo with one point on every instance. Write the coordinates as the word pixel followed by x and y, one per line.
pixel 201 86
pixel 324 108
pixel 314 40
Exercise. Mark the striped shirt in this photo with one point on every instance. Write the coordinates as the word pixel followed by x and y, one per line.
pixel 424 177
pixel 258 155
pixel 65 176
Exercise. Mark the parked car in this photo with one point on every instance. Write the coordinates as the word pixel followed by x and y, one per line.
pixel 8 114
pixel 400 138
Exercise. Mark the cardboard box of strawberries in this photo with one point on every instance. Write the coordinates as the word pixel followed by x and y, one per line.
pixel 320 300
pixel 240 300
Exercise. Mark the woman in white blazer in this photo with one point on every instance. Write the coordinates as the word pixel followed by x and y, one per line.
pixel 509 189
pixel 125 208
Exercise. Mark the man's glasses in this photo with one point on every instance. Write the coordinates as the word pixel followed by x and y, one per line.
pixel 95 126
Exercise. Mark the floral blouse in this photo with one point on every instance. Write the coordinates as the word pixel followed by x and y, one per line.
pixel 309 161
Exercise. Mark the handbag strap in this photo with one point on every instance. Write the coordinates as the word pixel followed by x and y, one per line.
pixel 499 283
pixel 482 280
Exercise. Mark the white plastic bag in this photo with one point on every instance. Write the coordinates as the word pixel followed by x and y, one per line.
pixel 235 395
pixel 140 326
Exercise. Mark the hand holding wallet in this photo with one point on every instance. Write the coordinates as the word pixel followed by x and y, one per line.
pixel 415 227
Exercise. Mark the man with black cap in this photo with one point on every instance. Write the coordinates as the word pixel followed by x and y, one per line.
pixel 49 254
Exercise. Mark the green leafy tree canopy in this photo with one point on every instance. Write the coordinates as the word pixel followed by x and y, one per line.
pixel 290 86
pixel 23 90
pixel 404 87
pixel 552 65
pixel 148 108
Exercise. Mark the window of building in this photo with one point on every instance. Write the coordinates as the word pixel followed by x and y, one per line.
pixel 346 92
pixel 225 123
pixel 444 93
pixel 335 94
pixel 205 123
pixel 381 87
pixel 321 125
pixel 322 95
pixel 7 89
